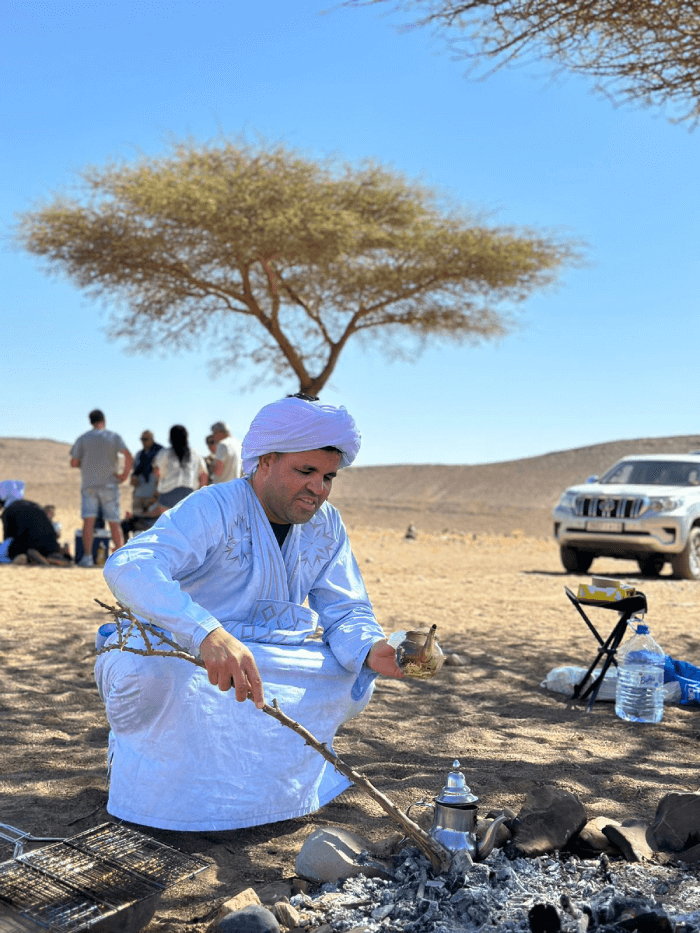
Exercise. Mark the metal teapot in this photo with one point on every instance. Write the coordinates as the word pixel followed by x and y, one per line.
pixel 418 653
pixel 454 818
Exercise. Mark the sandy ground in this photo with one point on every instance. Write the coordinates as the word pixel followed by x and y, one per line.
pixel 498 601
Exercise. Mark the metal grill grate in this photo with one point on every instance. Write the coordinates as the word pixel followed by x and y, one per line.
pixel 47 901
pixel 138 853
pixel 90 875
pixel 79 884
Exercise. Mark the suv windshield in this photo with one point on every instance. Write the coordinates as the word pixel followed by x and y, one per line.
pixel 654 472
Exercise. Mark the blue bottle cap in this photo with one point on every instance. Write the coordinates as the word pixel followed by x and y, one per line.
pixel 642 629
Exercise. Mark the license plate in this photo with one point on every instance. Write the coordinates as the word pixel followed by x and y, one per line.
pixel 604 526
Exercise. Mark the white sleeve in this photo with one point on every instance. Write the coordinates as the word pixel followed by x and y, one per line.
pixel 144 574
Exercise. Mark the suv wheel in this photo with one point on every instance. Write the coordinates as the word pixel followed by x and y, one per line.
pixel 687 564
pixel 575 561
pixel 652 565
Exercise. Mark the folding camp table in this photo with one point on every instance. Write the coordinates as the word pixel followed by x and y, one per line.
pixel 629 606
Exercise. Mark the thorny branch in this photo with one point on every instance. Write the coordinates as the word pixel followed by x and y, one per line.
pixel 127 624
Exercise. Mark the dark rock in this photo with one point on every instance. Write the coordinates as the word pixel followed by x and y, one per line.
pixel 690 856
pixel 252 919
pixel 411 533
pixel 544 918
pixel 633 838
pixel 549 818
pixel 676 826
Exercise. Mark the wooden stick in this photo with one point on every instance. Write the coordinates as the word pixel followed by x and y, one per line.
pixel 439 856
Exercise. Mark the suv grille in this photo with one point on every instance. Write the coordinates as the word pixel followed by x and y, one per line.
pixel 609 506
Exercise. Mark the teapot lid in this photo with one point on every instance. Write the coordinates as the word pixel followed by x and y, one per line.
pixel 456 792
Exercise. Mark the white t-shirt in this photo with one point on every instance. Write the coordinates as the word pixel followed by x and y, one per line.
pixel 173 475
pixel 229 453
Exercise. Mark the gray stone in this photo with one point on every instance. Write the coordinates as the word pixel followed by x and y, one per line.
pixel 676 826
pixel 332 853
pixel 274 891
pixel 243 899
pixel 633 838
pixel 549 818
pixel 455 660
pixel 592 839
pixel 251 919
pixel 286 915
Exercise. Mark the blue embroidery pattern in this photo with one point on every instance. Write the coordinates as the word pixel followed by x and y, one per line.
pixel 319 544
pixel 239 547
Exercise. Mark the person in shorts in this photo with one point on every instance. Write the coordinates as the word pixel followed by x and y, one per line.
pixel 96 453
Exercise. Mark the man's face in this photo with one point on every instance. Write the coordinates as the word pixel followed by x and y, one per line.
pixel 147 441
pixel 293 487
pixel 218 437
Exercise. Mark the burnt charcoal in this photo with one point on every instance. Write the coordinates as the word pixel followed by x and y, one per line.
pixel 652 922
pixel 544 918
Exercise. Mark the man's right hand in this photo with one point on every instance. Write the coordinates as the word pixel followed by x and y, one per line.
pixel 230 664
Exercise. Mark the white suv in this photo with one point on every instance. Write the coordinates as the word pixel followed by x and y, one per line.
pixel 646 508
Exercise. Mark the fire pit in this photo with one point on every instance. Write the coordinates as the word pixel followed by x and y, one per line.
pixel 504 895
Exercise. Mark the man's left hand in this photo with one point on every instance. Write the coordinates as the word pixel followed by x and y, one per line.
pixel 382 660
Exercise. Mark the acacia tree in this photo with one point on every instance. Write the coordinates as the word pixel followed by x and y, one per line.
pixel 280 259
pixel 639 51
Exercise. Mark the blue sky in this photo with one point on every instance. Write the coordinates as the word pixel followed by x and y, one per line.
pixel 611 353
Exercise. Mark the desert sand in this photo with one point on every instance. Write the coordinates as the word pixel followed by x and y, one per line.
pixel 483 567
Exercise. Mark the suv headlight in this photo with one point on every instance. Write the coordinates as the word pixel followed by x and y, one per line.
pixel 567 500
pixel 663 504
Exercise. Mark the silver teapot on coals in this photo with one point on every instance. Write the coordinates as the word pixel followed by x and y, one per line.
pixel 454 818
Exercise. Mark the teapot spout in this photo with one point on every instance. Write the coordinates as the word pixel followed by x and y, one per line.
pixel 427 649
pixel 485 847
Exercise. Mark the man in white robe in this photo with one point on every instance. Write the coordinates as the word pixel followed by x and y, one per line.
pixel 243 574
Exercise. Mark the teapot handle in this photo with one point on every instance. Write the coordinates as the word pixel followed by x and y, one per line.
pixel 420 803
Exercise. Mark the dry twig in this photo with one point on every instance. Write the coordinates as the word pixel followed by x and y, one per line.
pixel 439 856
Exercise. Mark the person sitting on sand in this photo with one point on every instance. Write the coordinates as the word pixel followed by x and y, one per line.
pixel 31 534
pixel 228 573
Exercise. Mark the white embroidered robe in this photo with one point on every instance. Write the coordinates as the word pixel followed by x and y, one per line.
pixel 186 756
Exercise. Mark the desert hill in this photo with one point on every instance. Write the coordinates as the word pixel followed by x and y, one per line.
pixel 515 495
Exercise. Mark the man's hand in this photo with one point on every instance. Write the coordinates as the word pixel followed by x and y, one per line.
pixel 230 664
pixel 382 659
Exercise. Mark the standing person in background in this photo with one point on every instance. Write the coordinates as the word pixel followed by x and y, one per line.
pixel 227 463
pixel 179 471
pixel 96 453
pixel 143 479
pixel 210 458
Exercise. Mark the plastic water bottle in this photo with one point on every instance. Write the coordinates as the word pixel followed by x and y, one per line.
pixel 639 696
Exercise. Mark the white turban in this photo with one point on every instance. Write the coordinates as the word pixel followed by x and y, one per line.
pixel 293 425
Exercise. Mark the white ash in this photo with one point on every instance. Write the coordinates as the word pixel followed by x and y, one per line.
pixel 496 895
